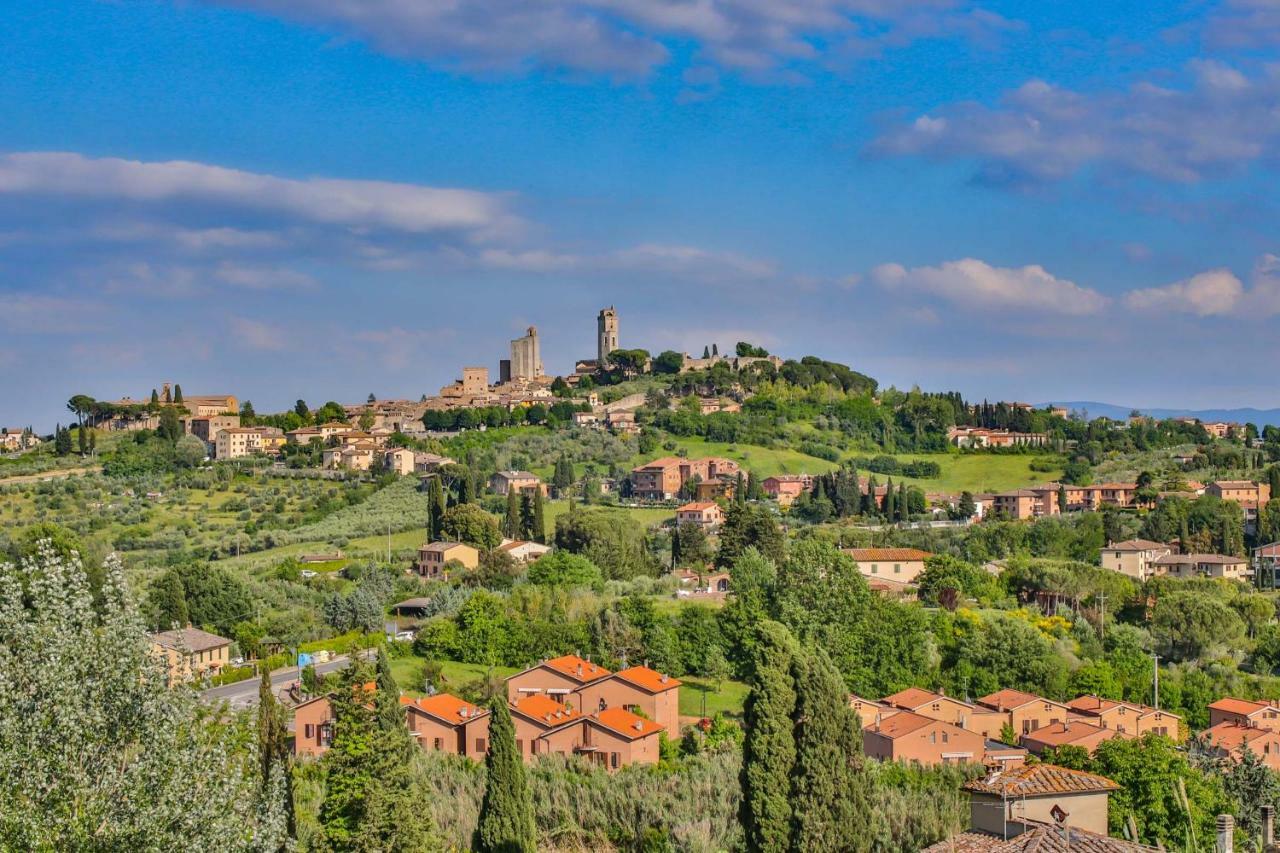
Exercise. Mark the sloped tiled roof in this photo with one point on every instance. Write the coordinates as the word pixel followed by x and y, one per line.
pixel 1070 732
pixel 623 722
pixel 902 554
pixel 1041 838
pixel 546 711
pixel 1004 700
pixel 911 698
pixel 1035 780
pixel 647 679
pixel 582 671
pixel 901 723
pixel 449 709
pixel 189 640
pixel 1237 706
pixel 1135 545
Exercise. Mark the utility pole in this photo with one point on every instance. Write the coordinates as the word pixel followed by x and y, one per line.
pixel 1155 678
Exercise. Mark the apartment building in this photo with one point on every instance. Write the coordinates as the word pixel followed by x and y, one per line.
pixel 785 488
pixel 911 737
pixel 1245 712
pixel 1134 557
pixel 663 478
pixel 1025 712
pixel 1126 717
pixel 1203 566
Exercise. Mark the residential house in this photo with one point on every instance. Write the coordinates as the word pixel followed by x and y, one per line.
pixel 1250 495
pixel 1266 560
pixel 622 423
pixel 1230 740
pixel 910 737
pixel 785 488
pixel 313 727
pixel 1262 715
pixel 1021 504
pixel 1134 557
pixel 1203 566
pixel 17 438
pixel 724 487
pixel 1041 809
pixel 984 721
pixel 559 678
pixel 639 689
pixel 434 559
pixel 615 737
pixel 400 460
pixel 869 710
pixel 902 565
pixel 1125 717
pixel 207 427
pixel 239 442
pixel 544 726
pixel 1025 712
pixel 191 653
pixel 1079 733
pixel 712 405
pixel 705 514
pixel 524 552
pixel 445 723
pixel 1014 801
pixel 662 479
pixel 351 457
pixel 982 437
pixel 516 481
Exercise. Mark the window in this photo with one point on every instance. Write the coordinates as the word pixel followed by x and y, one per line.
pixel 480 745
pixel 933 737
pixel 519 746
pixel 946 737
pixel 897 568
pixel 310 730
pixel 438 744
pixel 614 760
pixel 874 569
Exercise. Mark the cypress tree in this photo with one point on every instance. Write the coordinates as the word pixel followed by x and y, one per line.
pixel 177 394
pixel 827 778
pixel 888 506
pixel 1062 499
pixel 82 436
pixel 740 489
pixel 539 520
pixel 769 750
pixel 387 699
pixel 706 352
pixel 155 398
pixel 511 522
pixel 526 516
pixel 435 509
pixel 273 744
pixel 506 812
pixel 1273 478
pixel 903 508
pixel 675 547
pixel 755 491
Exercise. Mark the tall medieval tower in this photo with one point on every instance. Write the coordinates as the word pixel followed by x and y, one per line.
pixel 606 335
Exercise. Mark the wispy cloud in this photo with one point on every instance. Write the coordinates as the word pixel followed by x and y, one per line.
pixel 1220 121
pixel 977 284
pixel 627 39
pixel 258 335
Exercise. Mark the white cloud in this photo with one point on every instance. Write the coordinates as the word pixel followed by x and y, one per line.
pixel 624 39
pixel 1244 25
pixel 693 261
pixel 34 313
pixel 357 204
pixel 1208 294
pixel 257 335
pixel 971 282
pixel 263 277
pixel 1220 121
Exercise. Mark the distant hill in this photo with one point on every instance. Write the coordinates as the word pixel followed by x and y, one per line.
pixel 1261 417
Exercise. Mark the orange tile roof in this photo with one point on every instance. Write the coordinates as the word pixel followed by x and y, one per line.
pixel 1232 736
pixel 902 723
pixel 698 506
pixel 1005 700
pixel 1237 706
pixel 904 554
pixel 911 698
pixel 582 671
pixel 1094 704
pixel 1059 734
pixel 647 679
pixel 1040 779
pixel 623 722
pixel 1039 838
pixel 450 709
pixel 546 711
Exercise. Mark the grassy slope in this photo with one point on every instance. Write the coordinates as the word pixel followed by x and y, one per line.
pixel 977 473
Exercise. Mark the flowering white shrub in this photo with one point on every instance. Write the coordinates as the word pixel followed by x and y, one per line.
pixel 97 751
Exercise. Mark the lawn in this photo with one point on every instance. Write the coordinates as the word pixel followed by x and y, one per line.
pixel 763 461
pixel 977 473
pixel 408 670
pixel 729 700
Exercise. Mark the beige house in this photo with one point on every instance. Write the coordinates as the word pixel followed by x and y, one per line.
pixel 1134 557
pixel 207 427
pixel 1203 566
pixel 902 565
pixel 640 690
pixel 975 718
pixel 1008 803
pixel 524 552
pixel 1079 733
pixel 705 514
pixel 785 488
pixel 1125 717
pixel 1262 715
pixel 237 442
pixel 504 482
pixel 912 738
pixel 1025 712
pixel 445 723
pixel 351 457
pixel 1230 740
pixel 434 559
pixel 191 653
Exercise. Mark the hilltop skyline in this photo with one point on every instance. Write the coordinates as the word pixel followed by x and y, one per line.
pixel 273 199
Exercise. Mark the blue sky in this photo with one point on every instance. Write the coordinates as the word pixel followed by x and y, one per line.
pixel 327 198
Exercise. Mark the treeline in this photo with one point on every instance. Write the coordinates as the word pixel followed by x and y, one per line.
pixel 539 414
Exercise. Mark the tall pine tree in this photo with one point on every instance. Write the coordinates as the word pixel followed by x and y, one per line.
pixel 435 508
pixel 506 812
pixel 769 750
pixel 539 519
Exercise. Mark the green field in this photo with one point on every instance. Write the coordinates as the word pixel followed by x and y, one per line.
pixel 977 473
pixel 764 461
pixel 728 701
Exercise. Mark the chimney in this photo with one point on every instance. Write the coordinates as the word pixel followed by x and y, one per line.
pixel 1226 834
pixel 1268 826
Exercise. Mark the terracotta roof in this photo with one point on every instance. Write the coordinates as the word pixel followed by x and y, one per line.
pixel 901 723
pixel 1234 484
pixel 911 698
pixel 189 640
pixel 1135 545
pixel 546 711
pixel 903 554
pixel 582 671
pixel 450 709
pixel 1237 706
pixel 1034 780
pixel 698 506
pixel 623 722
pixel 647 679
pixel 1005 700
pixel 1093 704
pixel 1061 734
pixel 442 546
pixel 1041 838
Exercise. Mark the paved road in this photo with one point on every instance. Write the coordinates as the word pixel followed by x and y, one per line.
pixel 244 694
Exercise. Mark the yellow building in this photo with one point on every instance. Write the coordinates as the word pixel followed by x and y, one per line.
pixel 190 652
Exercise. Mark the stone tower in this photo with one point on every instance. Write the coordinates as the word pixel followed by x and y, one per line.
pixel 526 356
pixel 606 334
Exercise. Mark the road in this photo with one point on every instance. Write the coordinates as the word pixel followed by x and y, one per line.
pixel 54 474
pixel 244 694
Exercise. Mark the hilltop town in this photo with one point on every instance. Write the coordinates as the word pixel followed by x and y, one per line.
pixel 1014 604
